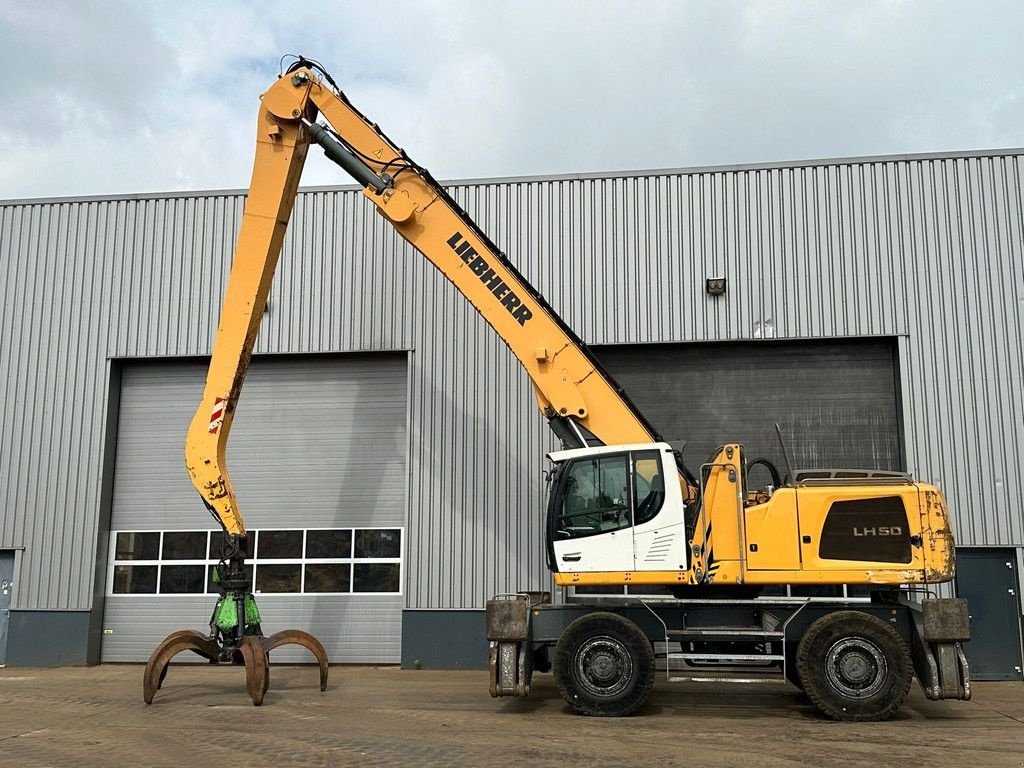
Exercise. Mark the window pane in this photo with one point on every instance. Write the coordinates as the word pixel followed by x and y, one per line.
pixel 375 577
pixel 279 577
pixel 328 543
pixel 184 545
pixel 328 577
pixel 182 579
pixel 648 486
pixel 138 546
pixel 212 588
pixel 217 544
pixel 134 579
pixel 279 544
pixel 379 543
pixel 595 498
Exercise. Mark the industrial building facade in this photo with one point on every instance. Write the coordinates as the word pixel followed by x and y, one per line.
pixel 387 449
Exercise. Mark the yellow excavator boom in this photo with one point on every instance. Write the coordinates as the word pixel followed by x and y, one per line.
pixel 580 399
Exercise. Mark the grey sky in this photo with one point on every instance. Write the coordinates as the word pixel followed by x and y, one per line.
pixel 117 97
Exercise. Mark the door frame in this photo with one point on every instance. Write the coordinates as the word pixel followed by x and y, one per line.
pixel 1018 556
pixel 15 553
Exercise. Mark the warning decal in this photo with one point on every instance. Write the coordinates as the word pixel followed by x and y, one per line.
pixel 217 414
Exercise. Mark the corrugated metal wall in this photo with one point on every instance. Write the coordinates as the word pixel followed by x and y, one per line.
pixel 334 425
pixel 927 248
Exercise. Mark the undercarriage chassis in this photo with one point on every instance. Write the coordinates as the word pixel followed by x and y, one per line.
pixel 854 657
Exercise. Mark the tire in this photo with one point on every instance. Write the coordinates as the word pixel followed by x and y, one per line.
pixel 604 665
pixel 854 667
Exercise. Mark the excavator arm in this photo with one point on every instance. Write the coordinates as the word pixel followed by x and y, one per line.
pixel 580 400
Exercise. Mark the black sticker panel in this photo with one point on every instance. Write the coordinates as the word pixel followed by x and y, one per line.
pixel 872 530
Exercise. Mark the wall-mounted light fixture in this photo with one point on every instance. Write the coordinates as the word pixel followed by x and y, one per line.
pixel 715 286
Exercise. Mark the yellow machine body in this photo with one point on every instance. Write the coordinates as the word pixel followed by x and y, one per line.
pixel 820 530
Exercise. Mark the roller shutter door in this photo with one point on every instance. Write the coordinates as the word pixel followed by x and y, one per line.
pixel 836 400
pixel 318 442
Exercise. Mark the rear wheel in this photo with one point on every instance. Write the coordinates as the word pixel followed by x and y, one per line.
pixel 604 665
pixel 854 666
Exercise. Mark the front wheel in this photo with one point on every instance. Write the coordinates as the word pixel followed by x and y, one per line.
pixel 854 666
pixel 604 665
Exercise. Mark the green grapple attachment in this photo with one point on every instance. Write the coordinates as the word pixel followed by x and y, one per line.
pixel 231 639
pixel 225 615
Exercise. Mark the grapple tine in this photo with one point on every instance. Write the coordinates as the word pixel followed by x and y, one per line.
pixel 306 640
pixel 172 645
pixel 257 668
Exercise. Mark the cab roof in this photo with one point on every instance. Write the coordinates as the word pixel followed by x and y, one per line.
pixel 600 450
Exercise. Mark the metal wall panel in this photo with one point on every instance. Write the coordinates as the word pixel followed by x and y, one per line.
pixel 360 629
pixel 836 400
pixel 927 248
pixel 318 442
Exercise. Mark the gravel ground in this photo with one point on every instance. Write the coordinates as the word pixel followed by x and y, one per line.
pixel 386 716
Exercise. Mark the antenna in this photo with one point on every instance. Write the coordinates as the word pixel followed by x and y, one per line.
pixel 785 454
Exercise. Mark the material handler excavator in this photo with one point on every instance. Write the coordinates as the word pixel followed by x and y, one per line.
pixel 623 509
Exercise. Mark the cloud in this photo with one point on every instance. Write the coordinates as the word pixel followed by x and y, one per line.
pixel 115 97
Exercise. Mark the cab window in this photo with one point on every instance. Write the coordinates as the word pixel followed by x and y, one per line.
pixel 648 486
pixel 595 497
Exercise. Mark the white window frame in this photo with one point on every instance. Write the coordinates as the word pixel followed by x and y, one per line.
pixel 302 561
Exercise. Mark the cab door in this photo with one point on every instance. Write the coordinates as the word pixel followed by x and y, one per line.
pixel 659 533
pixel 592 520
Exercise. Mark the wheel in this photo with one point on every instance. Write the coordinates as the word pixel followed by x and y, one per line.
pixel 604 665
pixel 854 666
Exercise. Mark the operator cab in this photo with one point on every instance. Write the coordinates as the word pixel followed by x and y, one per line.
pixel 615 509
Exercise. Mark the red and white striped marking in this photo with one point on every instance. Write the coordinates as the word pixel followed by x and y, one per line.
pixel 217 414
